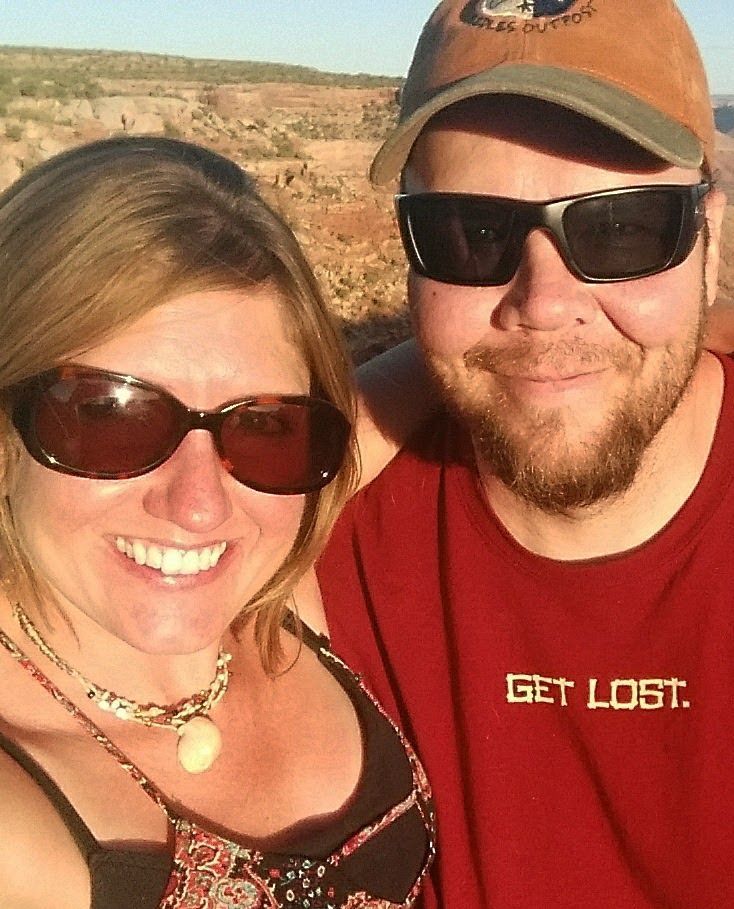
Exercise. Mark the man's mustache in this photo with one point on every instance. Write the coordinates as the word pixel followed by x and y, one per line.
pixel 526 355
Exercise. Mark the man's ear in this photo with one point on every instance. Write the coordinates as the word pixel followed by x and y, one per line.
pixel 715 207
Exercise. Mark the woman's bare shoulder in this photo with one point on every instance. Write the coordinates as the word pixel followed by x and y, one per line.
pixel 40 864
pixel 308 603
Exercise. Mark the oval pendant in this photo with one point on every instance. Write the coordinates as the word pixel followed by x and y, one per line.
pixel 199 745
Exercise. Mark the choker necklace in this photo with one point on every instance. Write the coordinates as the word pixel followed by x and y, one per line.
pixel 200 741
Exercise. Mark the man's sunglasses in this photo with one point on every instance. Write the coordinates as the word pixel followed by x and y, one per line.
pixel 613 235
pixel 103 425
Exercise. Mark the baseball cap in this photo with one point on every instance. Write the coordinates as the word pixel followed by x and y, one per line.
pixel 631 66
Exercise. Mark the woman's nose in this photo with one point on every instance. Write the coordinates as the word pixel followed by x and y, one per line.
pixel 189 490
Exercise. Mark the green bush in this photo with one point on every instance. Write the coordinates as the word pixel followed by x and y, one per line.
pixel 284 145
pixel 36 114
pixel 72 70
pixel 171 130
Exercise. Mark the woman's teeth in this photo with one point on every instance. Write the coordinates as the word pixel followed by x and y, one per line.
pixel 171 561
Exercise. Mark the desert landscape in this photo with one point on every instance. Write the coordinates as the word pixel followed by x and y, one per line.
pixel 307 136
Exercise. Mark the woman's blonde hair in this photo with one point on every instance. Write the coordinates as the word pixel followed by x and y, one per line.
pixel 97 236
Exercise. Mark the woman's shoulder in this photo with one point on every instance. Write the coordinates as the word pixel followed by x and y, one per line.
pixel 40 863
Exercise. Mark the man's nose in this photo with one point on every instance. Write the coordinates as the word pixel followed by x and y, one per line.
pixel 543 294
pixel 189 490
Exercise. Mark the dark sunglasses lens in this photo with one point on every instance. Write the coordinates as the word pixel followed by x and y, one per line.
pixel 458 240
pixel 625 235
pixel 100 427
pixel 284 446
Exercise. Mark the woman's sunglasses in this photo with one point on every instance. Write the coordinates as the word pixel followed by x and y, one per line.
pixel 106 426
pixel 614 235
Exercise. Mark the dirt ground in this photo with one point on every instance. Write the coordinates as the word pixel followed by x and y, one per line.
pixel 310 148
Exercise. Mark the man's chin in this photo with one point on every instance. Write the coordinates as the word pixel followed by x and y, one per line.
pixel 558 476
pixel 557 463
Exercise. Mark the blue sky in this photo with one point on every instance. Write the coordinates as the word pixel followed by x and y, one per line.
pixel 374 36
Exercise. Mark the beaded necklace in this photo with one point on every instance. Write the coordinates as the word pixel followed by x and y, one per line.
pixel 200 741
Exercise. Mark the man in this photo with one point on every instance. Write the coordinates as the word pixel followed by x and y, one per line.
pixel 540 585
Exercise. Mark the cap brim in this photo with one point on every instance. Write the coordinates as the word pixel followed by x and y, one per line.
pixel 600 101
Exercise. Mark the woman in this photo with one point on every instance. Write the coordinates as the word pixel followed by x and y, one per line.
pixel 175 443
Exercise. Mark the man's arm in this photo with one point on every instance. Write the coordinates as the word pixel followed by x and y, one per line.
pixel 720 327
pixel 395 395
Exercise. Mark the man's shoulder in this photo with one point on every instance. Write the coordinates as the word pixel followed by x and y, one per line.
pixel 424 457
pixel 403 506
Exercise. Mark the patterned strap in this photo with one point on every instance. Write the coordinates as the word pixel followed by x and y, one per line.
pixel 420 796
pixel 312 639
pixel 140 778
pixel 83 836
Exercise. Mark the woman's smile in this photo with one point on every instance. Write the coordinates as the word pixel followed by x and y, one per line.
pixel 171 560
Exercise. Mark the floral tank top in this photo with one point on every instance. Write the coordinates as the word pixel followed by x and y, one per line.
pixel 208 871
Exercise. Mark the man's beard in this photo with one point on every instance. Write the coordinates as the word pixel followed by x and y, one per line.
pixel 534 454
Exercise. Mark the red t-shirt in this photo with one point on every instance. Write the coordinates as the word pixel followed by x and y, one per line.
pixel 576 719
